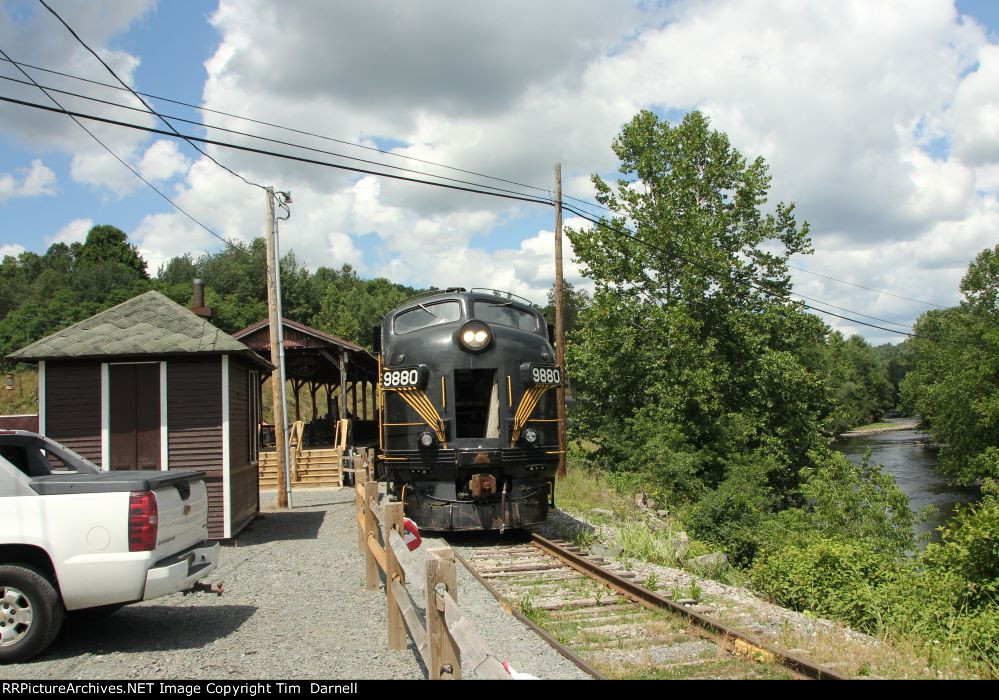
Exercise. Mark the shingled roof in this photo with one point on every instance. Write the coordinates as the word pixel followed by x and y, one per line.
pixel 149 324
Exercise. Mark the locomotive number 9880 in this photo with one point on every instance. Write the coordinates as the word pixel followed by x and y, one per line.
pixel 468 428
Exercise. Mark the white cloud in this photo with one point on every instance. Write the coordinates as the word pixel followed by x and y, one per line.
pixel 974 115
pixel 34 181
pixel 877 119
pixel 162 160
pixel 12 249
pixel 73 232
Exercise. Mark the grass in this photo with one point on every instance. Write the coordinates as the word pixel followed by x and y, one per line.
pixel 23 398
pixel 640 542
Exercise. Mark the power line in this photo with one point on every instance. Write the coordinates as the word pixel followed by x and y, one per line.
pixel 139 98
pixel 275 154
pixel 202 108
pixel 304 133
pixel 870 289
pixel 535 200
pixel 261 138
pixel 630 235
pixel 120 160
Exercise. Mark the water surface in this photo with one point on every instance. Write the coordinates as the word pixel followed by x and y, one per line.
pixel 907 456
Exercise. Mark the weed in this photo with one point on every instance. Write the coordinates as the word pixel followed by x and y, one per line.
pixel 651 581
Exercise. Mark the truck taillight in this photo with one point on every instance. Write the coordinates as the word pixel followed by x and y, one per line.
pixel 142 521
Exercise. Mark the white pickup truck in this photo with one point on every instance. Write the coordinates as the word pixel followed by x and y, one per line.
pixel 75 538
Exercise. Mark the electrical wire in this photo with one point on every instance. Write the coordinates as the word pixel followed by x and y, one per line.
pixel 139 98
pixel 535 200
pixel 396 155
pixel 275 154
pixel 783 297
pixel 262 138
pixel 120 160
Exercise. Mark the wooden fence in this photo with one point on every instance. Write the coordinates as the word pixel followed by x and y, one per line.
pixel 442 633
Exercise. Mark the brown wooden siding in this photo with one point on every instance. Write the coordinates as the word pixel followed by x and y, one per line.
pixel 73 406
pixel 194 415
pixel 25 422
pixel 243 478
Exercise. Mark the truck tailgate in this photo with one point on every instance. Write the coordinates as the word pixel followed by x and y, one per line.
pixel 183 516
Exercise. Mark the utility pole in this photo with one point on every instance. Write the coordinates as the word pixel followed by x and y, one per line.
pixel 560 321
pixel 277 383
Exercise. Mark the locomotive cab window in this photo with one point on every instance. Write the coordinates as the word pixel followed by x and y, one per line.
pixel 505 314
pixel 426 315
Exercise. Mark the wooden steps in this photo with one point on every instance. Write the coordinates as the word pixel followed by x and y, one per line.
pixel 318 468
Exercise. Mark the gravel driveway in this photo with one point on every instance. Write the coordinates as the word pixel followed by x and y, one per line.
pixel 295 607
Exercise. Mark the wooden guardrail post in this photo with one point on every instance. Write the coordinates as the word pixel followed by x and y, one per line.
pixel 370 532
pixel 445 661
pixel 394 572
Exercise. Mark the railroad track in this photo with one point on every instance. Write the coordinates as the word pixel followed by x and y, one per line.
pixel 595 614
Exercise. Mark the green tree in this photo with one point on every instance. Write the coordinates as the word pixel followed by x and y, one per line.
pixel 574 301
pixel 954 383
pixel 690 356
pixel 107 244
pixel 858 382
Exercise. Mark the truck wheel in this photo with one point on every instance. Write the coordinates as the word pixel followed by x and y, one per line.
pixel 31 613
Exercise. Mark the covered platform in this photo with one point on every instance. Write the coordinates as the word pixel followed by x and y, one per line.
pixel 331 402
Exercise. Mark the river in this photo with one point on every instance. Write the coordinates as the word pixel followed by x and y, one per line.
pixel 906 456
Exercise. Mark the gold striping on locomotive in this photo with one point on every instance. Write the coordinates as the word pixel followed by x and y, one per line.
pixel 443 393
pixel 420 402
pixel 528 402
pixel 509 392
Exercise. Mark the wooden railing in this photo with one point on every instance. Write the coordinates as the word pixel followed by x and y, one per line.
pixel 443 635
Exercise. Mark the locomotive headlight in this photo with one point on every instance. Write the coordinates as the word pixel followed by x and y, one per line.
pixel 530 436
pixel 426 439
pixel 475 336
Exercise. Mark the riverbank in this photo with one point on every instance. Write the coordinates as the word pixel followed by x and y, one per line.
pixel 875 428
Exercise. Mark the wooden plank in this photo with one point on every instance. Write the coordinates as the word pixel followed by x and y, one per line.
pixel 475 653
pixel 416 626
pixel 377 551
pixel 415 574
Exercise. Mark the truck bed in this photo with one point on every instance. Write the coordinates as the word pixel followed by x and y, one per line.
pixel 110 482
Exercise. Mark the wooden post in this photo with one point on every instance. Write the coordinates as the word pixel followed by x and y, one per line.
pixel 445 660
pixel 370 531
pixel 343 383
pixel 353 395
pixel 277 410
pixel 559 321
pixel 364 399
pixel 394 572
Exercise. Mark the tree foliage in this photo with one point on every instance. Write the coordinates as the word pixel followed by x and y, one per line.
pixel 954 382
pixel 690 356
pixel 40 294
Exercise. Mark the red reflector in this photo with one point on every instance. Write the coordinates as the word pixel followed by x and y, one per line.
pixel 142 521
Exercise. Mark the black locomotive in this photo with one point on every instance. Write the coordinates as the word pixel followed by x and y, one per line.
pixel 468 427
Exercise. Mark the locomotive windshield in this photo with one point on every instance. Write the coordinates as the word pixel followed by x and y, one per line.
pixel 425 315
pixel 505 314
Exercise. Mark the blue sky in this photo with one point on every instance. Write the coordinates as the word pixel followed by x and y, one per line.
pixel 872 117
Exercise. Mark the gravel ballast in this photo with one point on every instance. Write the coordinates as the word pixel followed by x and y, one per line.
pixel 294 607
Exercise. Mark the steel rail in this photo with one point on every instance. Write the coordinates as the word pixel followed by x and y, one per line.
pixel 512 609
pixel 729 635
